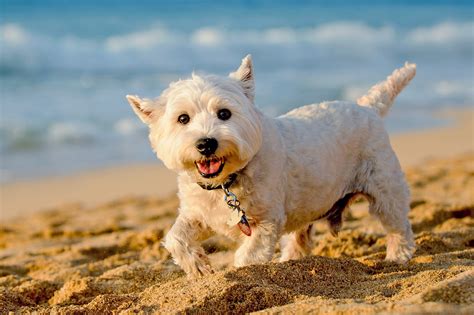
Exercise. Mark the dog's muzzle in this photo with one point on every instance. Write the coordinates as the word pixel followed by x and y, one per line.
pixel 207 146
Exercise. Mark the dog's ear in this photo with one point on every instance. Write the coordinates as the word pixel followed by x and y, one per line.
pixel 142 107
pixel 245 77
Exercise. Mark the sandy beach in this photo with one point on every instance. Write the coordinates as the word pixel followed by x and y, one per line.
pixel 90 243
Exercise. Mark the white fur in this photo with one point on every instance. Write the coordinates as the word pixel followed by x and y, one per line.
pixel 382 95
pixel 291 170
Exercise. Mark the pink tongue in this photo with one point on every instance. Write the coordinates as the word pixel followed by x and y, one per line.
pixel 210 167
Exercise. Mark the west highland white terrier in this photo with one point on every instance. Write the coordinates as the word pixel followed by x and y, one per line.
pixel 255 179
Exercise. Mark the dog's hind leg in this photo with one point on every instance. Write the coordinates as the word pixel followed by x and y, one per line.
pixel 389 200
pixel 297 244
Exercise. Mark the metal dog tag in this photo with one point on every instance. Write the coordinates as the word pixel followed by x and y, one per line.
pixel 244 225
pixel 234 218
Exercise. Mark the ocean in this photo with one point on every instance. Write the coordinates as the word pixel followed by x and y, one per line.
pixel 66 66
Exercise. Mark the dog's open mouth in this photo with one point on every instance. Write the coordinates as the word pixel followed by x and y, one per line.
pixel 210 167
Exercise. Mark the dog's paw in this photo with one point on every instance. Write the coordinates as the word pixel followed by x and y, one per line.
pixel 291 254
pixel 399 250
pixel 197 265
pixel 200 271
pixel 402 256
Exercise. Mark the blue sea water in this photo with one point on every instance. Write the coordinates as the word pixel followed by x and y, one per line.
pixel 65 66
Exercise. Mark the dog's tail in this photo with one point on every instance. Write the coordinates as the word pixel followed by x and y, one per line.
pixel 381 96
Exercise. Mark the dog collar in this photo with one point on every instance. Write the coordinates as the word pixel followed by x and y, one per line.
pixel 226 185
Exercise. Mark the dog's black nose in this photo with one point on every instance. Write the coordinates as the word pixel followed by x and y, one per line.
pixel 207 146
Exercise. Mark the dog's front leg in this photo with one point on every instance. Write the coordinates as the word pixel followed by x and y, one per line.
pixel 260 246
pixel 182 242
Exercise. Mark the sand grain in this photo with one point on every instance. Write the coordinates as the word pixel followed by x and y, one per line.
pixel 108 258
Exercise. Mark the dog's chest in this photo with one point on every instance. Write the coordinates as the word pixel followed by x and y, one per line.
pixel 216 213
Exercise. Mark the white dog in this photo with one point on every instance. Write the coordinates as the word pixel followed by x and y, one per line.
pixel 277 174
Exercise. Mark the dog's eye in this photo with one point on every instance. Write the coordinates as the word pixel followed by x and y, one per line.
pixel 183 119
pixel 224 114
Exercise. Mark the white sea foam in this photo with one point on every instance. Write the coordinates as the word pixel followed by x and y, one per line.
pixel 207 36
pixel 70 132
pixel 342 33
pixel 282 35
pixel 161 46
pixel 128 126
pixel 143 40
pixel 442 34
pixel 17 137
pixel 351 33
pixel 13 35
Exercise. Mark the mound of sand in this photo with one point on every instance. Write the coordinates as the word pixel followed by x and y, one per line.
pixel 109 259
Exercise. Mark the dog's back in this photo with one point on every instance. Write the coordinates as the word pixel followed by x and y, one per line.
pixel 328 144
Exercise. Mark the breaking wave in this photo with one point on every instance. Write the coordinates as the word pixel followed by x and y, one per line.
pixel 161 47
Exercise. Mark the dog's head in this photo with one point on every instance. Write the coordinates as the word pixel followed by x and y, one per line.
pixel 206 126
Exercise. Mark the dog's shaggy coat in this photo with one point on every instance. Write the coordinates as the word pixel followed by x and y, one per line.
pixel 291 170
